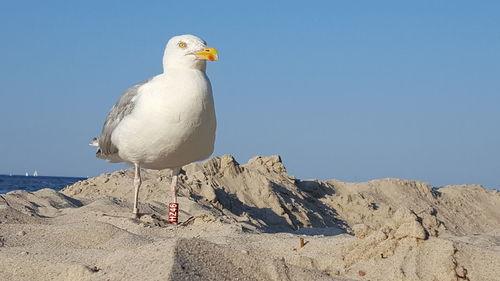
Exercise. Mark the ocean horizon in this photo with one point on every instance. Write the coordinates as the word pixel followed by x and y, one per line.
pixel 32 183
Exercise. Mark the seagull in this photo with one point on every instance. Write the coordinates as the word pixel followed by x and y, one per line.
pixel 167 121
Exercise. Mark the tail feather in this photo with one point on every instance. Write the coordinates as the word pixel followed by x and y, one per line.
pixel 113 158
pixel 94 142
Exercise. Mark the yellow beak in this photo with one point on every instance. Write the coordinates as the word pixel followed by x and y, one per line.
pixel 207 53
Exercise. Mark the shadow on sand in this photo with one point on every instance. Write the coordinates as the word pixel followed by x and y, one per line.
pixel 303 212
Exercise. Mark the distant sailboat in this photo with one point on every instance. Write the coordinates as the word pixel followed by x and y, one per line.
pixel 27 174
pixel 35 174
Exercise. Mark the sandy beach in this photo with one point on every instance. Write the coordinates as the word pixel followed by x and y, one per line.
pixel 251 222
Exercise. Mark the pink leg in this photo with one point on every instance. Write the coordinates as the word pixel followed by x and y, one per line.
pixel 137 185
pixel 173 186
pixel 173 207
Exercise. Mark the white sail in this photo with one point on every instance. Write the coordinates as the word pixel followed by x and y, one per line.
pixel 35 174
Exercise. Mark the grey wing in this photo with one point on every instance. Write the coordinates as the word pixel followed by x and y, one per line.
pixel 122 108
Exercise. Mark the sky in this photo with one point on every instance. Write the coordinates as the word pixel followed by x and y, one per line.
pixel 352 90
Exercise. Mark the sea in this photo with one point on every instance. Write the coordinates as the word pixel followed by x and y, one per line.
pixel 34 183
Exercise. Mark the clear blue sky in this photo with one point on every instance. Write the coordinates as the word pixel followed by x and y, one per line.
pixel 353 90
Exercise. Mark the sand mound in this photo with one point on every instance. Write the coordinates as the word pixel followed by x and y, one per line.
pixel 245 222
pixel 263 195
pixel 259 193
pixel 458 210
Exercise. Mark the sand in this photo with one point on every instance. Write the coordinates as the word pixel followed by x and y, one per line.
pixel 245 222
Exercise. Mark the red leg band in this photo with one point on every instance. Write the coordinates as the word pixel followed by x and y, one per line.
pixel 173 212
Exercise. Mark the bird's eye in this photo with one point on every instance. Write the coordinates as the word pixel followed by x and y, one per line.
pixel 182 45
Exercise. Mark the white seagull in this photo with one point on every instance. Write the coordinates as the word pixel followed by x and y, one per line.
pixel 167 121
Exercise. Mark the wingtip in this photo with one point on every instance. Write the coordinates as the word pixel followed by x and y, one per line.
pixel 94 142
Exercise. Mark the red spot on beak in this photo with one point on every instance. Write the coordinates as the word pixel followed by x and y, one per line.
pixel 211 58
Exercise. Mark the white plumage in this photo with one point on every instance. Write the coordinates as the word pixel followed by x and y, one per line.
pixel 167 121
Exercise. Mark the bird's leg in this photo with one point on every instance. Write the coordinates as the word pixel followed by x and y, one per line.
pixel 137 185
pixel 173 208
pixel 173 185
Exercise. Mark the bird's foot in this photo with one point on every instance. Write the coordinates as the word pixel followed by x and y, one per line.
pixel 135 213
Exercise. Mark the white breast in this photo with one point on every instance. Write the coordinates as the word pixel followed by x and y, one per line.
pixel 172 124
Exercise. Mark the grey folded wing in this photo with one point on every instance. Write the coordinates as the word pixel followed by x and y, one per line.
pixel 122 108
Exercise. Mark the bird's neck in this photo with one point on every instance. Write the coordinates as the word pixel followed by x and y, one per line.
pixel 184 65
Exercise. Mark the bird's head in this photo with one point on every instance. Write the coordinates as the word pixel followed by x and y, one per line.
pixel 188 51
